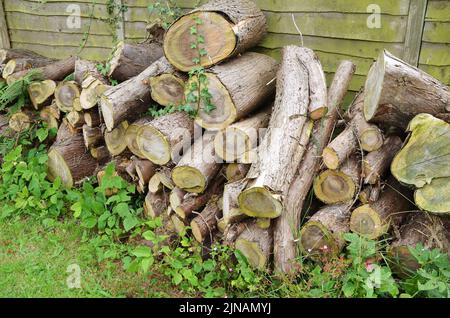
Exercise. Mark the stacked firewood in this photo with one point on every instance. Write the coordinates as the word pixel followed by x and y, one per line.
pixel 242 173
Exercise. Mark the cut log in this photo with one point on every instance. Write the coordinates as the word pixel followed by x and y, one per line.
pixel 22 64
pixel 228 28
pixel 340 149
pixel 132 97
pixel 423 163
pixel 85 68
pixel 179 225
pixel 198 166
pixel 377 163
pixel 92 136
pixel 56 71
pixel 41 92
pixel 237 87
pixel 322 236
pixel 93 86
pixel 68 159
pixel 115 140
pixel 50 115
pixel 161 140
pixel 287 225
pixel 283 146
pixel 318 87
pixel 184 204
pixel 21 121
pixel 236 171
pixel 67 94
pixel 168 89
pixel 256 245
pixel 370 194
pixel 165 177
pixel 154 184
pixel 388 212
pixel 230 205
pixel 420 228
pixel 232 231
pixel 238 139
pixel 9 54
pixel 156 203
pixel 129 60
pixel 145 169
pixel 100 153
pixel 92 118
pixel 75 119
pixel 339 186
pixel 396 92
pixel 132 133
pixel 205 223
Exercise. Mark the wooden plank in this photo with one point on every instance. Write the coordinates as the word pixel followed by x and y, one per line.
pixel 414 31
pixel 436 54
pixel 55 8
pixel 442 73
pixel 58 52
pixel 398 7
pixel 60 39
pixel 436 32
pixel 120 30
pixel 342 46
pixel 438 11
pixel 4 37
pixel 23 21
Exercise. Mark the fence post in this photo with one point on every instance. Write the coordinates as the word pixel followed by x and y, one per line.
pixel 4 36
pixel 414 31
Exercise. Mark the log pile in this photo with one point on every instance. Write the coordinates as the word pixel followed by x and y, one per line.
pixel 243 172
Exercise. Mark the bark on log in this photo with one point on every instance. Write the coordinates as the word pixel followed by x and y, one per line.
pixel 56 71
pixel 168 89
pixel 231 211
pixel 236 171
pixel 340 149
pixel 131 97
pixel 396 92
pixel 318 87
pixel 75 119
pixel 145 169
pixel 25 63
pixel 8 54
pixel 204 224
pixel 237 87
pixel 131 135
pixel 228 28
pixel 41 92
pixel 92 118
pixel 156 203
pixel 161 139
pixel 427 229
pixel 388 212
pixel 68 159
pixel 256 244
pixel 165 177
pixel 129 60
pixel 377 163
pixel 339 186
pixel 115 140
pixel 283 145
pixel 50 115
pixel 238 139
pixel 100 153
pixel 423 163
pixel 198 166
pixel 370 194
pixel 285 231
pixel 321 237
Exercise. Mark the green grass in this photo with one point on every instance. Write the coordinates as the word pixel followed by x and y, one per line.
pixel 34 261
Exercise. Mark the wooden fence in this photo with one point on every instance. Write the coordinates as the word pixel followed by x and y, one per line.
pixel 416 30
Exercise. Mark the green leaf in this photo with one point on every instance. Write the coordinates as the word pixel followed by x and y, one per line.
pixel 129 223
pixel 177 278
pixel 142 251
pixel 90 222
pixel 76 208
pixel 42 134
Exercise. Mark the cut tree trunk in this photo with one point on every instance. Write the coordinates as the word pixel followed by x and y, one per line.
pixel 377 218
pixel 285 229
pixel 132 133
pixel 339 186
pixel 396 92
pixel 21 121
pixel 284 143
pixel 198 166
pixel 41 92
pixel 67 94
pixel 230 206
pixel 75 119
pixel 236 171
pixel 340 149
pixel 156 203
pixel 161 139
pixel 115 140
pixel 22 64
pixel 318 87
pixel 205 223
pixel 427 229
pixel 256 244
pixel 132 97
pixel 238 139
pixel 129 60
pixel 145 169
pixel 322 236
pixel 237 87
pixel 68 159
pixel 50 115
pixel 168 89
pixel 377 163
pixel 92 89
pixel 92 136
pixel 228 28
pixel 165 177
pixel 9 54
pixel 92 118
pixel 56 71
pixel 424 163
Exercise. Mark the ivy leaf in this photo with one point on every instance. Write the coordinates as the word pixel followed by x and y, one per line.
pixel 193 30
pixel 202 52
